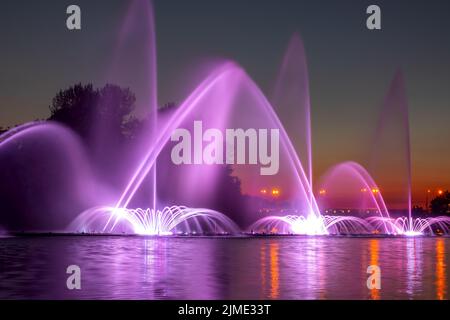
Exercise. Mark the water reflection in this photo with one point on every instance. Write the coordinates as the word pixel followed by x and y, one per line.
pixel 441 279
pixel 263 271
pixel 374 246
pixel 414 253
pixel 155 267
pixel 313 263
pixel 213 268
pixel 274 272
pixel 273 268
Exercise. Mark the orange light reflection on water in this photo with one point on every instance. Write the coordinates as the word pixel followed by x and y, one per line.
pixel 374 247
pixel 270 272
pixel 441 283
pixel 274 272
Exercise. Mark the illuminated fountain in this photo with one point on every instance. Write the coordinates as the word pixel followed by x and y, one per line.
pixel 170 221
pixel 349 177
pixel 225 75
pixel 419 226
pixel 311 225
pixel 290 224
pixel 227 97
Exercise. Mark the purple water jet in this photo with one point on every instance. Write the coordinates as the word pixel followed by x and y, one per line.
pixel 291 100
pixel 46 178
pixel 391 159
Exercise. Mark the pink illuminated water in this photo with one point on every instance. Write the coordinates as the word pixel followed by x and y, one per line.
pixel 224 268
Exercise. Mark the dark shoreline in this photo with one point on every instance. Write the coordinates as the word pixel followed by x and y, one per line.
pixel 212 236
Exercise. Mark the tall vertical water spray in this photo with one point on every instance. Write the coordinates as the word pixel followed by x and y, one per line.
pixel 392 149
pixel 291 101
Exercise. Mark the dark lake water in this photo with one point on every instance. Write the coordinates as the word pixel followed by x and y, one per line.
pixel 224 268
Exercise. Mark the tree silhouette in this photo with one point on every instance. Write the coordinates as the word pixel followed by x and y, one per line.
pixel 84 108
pixel 229 199
pixel 102 117
pixel 441 204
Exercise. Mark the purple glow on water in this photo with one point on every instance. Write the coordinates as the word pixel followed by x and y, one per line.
pixel 224 268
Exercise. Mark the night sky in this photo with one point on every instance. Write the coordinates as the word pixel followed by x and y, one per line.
pixel 350 67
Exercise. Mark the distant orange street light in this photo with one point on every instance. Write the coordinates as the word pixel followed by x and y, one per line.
pixel 440 192
pixel 322 192
pixel 275 192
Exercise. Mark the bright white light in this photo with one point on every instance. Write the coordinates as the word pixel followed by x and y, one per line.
pixel 153 233
pixel 412 233
pixel 119 213
pixel 312 225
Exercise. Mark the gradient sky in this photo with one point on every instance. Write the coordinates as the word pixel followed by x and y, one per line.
pixel 350 67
